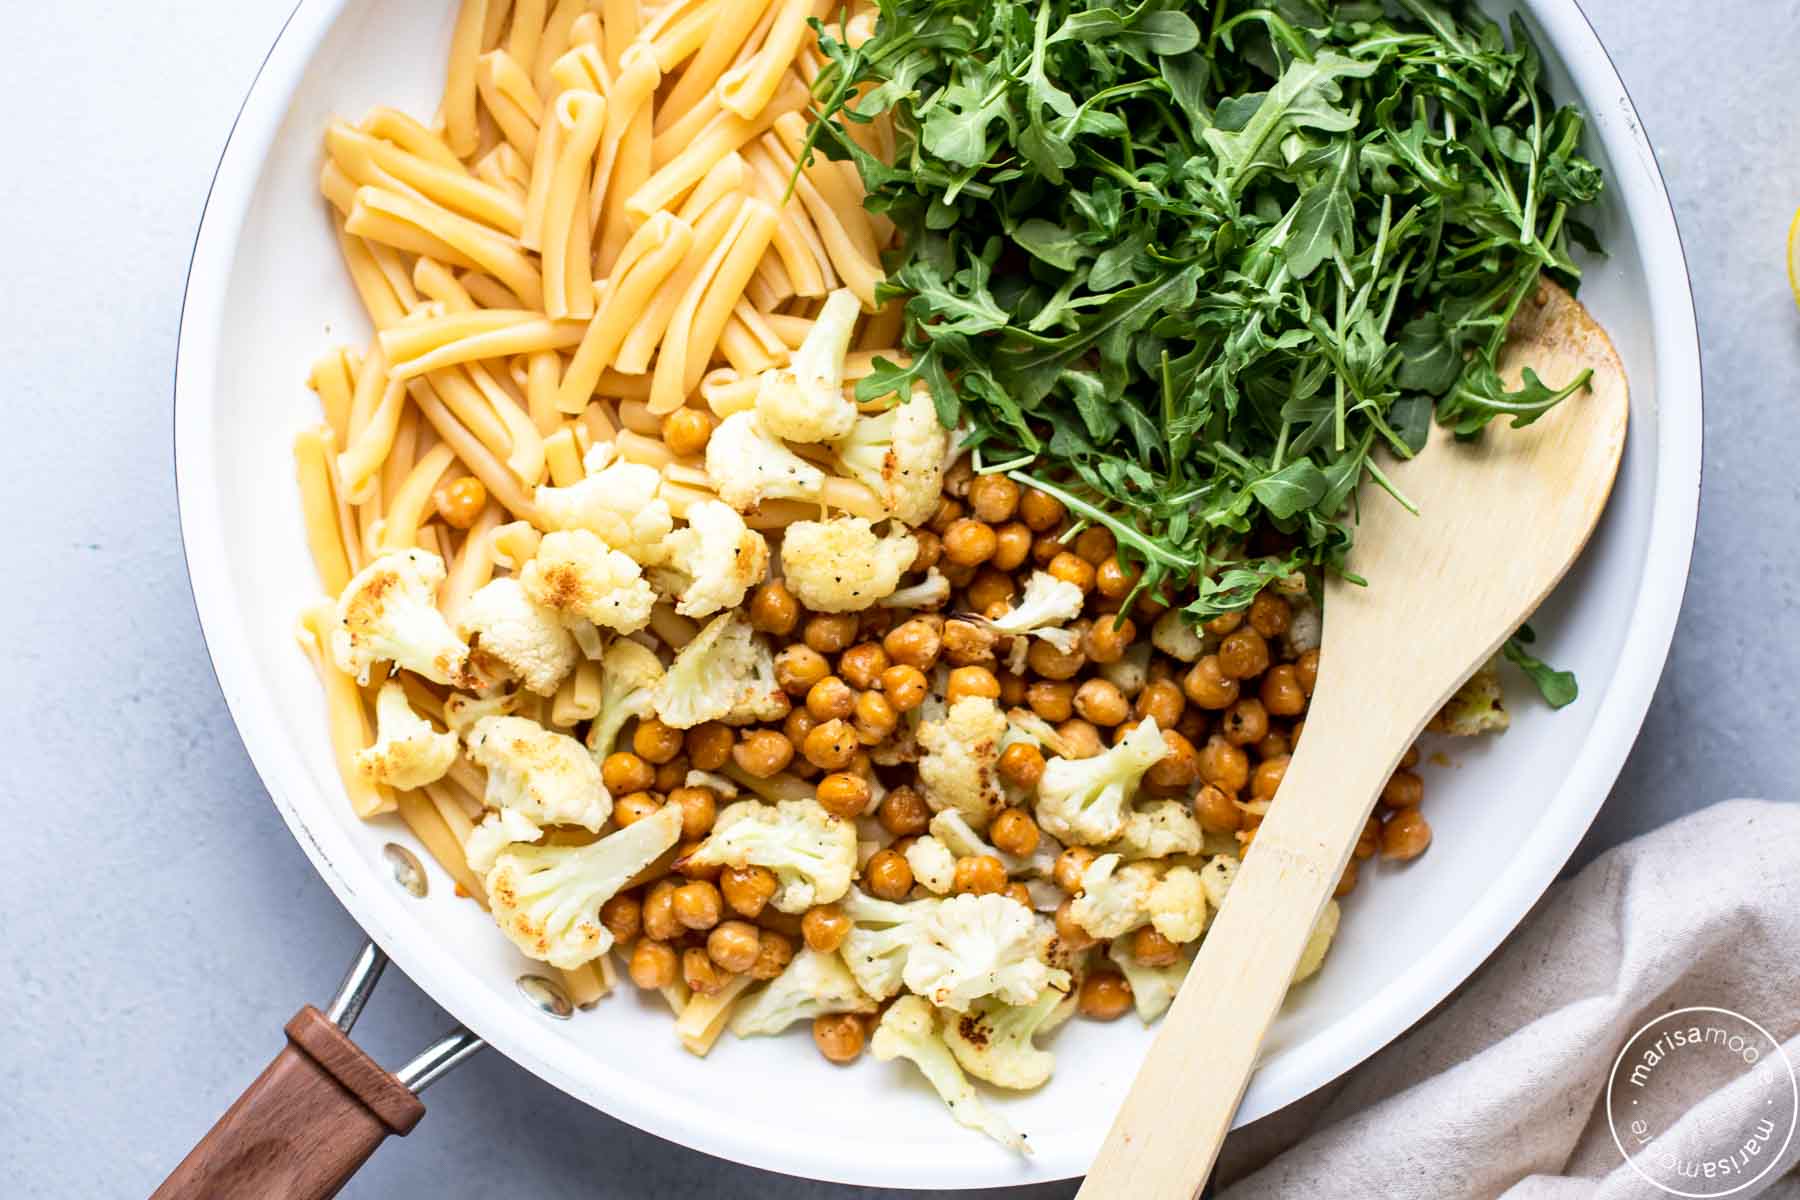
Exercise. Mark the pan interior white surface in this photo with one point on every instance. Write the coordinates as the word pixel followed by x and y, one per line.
pixel 268 292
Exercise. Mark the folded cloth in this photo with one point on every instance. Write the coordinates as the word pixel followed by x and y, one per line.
pixel 1503 1090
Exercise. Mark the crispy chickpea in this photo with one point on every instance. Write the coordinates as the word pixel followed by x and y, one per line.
pixel 1270 614
pixel 1274 744
pixel 773 609
pixel 1404 789
pixel 1072 936
pixel 825 927
pixel 1306 670
pixel 799 723
pixel 747 889
pixel 1081 739
pixel 1101 701
pixel 1040 510
pixel 1012 546
pixel 1410 759
pixel 1347 881
pixel 862 664
pixel 915 643
pixel 658 913
pixel 1096 544
pixel 699 808
pixel 1161 701
pixel 1045 549
pixel 1114 580
pixel 655 742
pixel 969 542
pixel 829 633
pixel 1108 638
pixel 888 876
pixel 699 972
pixel 830 745
pixel 967 644
pixel 1224 765
pixel 697 904
pixel 830 697
pixel 1405 835
pixel 1244 722
pixel 976 874
pixel 1072 568
pixel 1281 691
pixel 1052 663
pixel 1193 725
pixel 1176 771
pixel 763 753
pixel 948 509
pixel 874 718
pixel 1022 765
pixel 633 807
pixel 1223 624
pixel 798 667
pixel 685 865
pixel 623 772
pixel 1149 607
pixel 989 588
pixel 773 953
pixel 1070 866
pixel 1266 780
pixel 931 549
pixel 709 745
pixel 687 430
pixel 1105 996
pixel 653 965
pixel 1018 893
pixel 623 917
pixel 1152 949
pixel 1208 685
pixel 844 795
pixel 993 498
pixel 905 687
pixel 1294 733
pixel 1014 832
pixel 460 501
pixel 903 812
pixel 1012 689
pixel 734 945
pixel 1215 811
pixel 1369 840
pixel 971 681
pixel 1051 700
pixel 1244 654
pixel 839 1037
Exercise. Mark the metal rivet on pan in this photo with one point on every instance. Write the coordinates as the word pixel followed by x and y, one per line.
pixel 547 995
pixel 408 872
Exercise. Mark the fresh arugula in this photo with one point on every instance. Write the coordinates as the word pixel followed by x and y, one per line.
pixel 1558 688
pixel 1194 263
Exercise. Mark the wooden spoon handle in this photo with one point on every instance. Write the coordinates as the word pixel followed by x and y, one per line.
pixel 301 1130
pixel 1168 1131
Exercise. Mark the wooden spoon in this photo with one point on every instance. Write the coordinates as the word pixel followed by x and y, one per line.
pixel 1500 520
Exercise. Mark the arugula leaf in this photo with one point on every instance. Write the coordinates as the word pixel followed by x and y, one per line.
pixel 1558 688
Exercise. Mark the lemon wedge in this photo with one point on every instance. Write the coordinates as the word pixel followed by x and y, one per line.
pixel 1794 256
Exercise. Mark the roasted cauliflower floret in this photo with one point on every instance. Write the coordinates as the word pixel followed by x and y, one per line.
pixel 882 935
pixel 813 985
pixel 1047 605
pixel 901 456
pixel 587 583
pixel 811 852
pixel 962 752
pixel 725 674
pixel 408 753
pixel 1152 988
pixel 1216 877
pixel 1084 800
pixel 748 465
pixel 933 591
pixel 515 637
pixel 1178 637
pixel 547 898
pixel 993 1041
pixel 1477 707
pixel 1177 905
pixel 908 1029
pixel 629 674
pixel 617 502
pixel 932 863
pixel 1318 942
pixel 843 565
pixel 535 777
pixel 804 401
pixel 712 562
pixel 388 613
pixel 974 946
pixel 1115 896
pixel 1159 829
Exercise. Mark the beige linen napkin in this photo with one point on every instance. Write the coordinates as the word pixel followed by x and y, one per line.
pixel 1502 1091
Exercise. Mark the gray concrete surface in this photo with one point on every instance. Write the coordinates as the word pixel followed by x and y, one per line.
pixel 152 947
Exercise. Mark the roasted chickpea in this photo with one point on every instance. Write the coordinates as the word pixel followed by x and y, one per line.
pixel 1223 624
pixel 658 913
pixel 1306 670
pixel 623 917
pixel 1405 835
pixel 1281 691
pixel 1014 832
pixel 830 745
pixel 967 644
pixel 830 697
pixel 1347 881
pixel 1019 894
pixel 1270 614
pixel 773 609
pixel 747 889
pixel 798 667
pixel 903 812
pixel 763 753
pixel 1100 701
pixel 1207 684
pixel 1052 700
pixel 1012 546
pixel 1224 765
pixel 862 664
pixel 971 681
pixel 888 876
pixel 774 952
pixel 700 973
pixel 976 874
pixel 1215 811
pixel 1072 936
pixel 1410 759
pixel 931 549
pixel 1274 744
pixel 623 772
pixel 1040 510
pixel 993 498
pixel 1268 776
pixel 1244 654
pixel 697 904
pixel 1114 580
pixel 1105 996
pixel 1012 689
pixel 1070 865
pixel 990 587
pixel 709 745
pixel 1152 949
pixel 915 643
pixel 460 501
pixel 825 927
pixel 653 965
pixel 1081 739
pixel 1369 840
pixel 1022 765
pixel 799 723
pixel 1176 771
pixel 969 543
pixel 1108 638
pixel 1404 789
pixel 1045 549
pixel 733 946
pixel 844 795
pixel 1244 722
pixel 1072 568
pixel 1052 663
pixel 1096 544
pixel 699 808
pixel 873 718
pixel 839 1037
pixel 905 687
pixel 655 742
pixel 687 430
pixel 1160 701
pixel 829 633
pixel 633 807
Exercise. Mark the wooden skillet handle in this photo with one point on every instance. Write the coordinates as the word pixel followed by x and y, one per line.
pixel 304 1127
